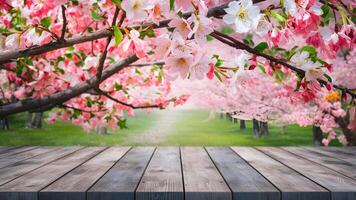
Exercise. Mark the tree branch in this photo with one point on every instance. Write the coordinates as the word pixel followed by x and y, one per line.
pixel 58 98
pixel 240 45
pixel 10 56
pixel 125 104
pixel 64 26
pixel 105 52
pixel 81 110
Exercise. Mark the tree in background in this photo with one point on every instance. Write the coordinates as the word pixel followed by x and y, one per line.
pixel 90 62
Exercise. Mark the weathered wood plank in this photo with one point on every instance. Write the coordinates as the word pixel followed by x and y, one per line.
pixel 202 181
pixel 163 177
pixel 292 185
pixel 15 151
pixel 348 169
pixel 340 186
pixel 6 149
pixel 9 160
pixel 27 186
pixel 244 181
pixel 20 168
pixel 73 186
pixel 338 153
pixel 120 182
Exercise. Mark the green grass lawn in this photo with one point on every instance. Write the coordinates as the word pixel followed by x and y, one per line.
pixel 66 134
pixel 194 130
pixel 190 129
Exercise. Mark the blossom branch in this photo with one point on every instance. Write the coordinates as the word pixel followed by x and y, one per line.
pixel 240 45
pixel 60 97
pixel 125 104
pixel 64 26
pixel 146 64
pixel 82 110
pixel 105 52
pixel 10 56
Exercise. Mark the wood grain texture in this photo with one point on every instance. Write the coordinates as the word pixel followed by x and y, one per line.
pixel 6 149
pixel 343 167
pixel 20 168
pixel 202 181
pixel 27 186
pixel 9 160
pixel 292 185
pixel 244 181
pixel 163 177
pixel 73 186
pixel 338 153
pixel 340 186
pixel 15 151
pixel 121 181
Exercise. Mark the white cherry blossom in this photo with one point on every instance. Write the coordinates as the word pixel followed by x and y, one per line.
pixel 312 69
pixel 136 9
pixel 243 15
pixel 180 63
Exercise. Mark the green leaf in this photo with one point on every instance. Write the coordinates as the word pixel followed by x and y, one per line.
pixel 249 40
pixel 118 35
pixel 279 74
pixel 95 16
pixel 90 102
pixel 311 50
pixel 117 86
pixel 277 16
pixel 122 123
pixel 325 9
pixel 209 38
pixel 261 46
pixel 171 4
pixel 46 22
pixel 149 33
pixel 328 77
pixel 227 30
pixel 116 2
pixel 218 76
pixel 262 69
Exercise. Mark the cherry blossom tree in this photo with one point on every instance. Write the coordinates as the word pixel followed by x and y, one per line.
pixel 92 61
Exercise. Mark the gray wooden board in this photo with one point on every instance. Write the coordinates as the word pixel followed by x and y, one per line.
pixel 121 181
pixel 73 186
pixel 27 186
pixel 202 181
pixel 20 168
pixel 245 182
pixel 163 177
pixel 15 151
pixel 348 169
pixel 6 149
pixel 351 149
pixel 292 185
pixel 341 187
pixel 9 160
pixel 339 153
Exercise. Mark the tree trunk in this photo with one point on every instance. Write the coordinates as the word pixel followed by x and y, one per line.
pixel 101 130
pixel 242 125
pixel 349 134
pixel 256 128
pixel 34 120
pixel 4 123
pixel 221 115
pixel 264 128
pixel 29 120
pixel 235 121
pixel 317 136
